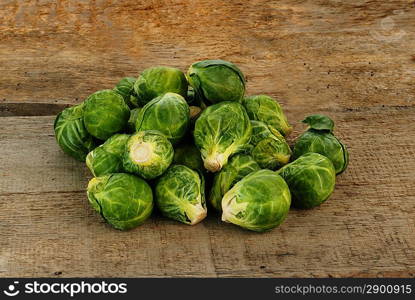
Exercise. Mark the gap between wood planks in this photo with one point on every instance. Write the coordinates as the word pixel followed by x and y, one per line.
pixel 16 109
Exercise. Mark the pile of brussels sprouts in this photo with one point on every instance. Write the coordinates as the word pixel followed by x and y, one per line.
pixel 159 138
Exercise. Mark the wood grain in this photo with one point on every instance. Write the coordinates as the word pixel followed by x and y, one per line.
pixel 353 60
pixel 365 229
pixel 323 53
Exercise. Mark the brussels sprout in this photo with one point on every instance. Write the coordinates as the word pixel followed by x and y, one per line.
pixel 107 158
pixel 319 138
pixel 125 87
pixel 157 81
pixel 180 195
pixel 216 80
pixel 238 167
pixel 71 134
pixel 148 154
pixel 265 109
pixel 258 202
pixel 123 200
pixel 188 155
pixel 270 150
pixel 132 121
pixel 105 114
pixel 311 179
pixel 168 114
pixel 221 130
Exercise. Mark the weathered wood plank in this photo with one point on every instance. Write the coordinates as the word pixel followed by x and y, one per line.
pixel 8 109
pixel 326 54
pixel 365 229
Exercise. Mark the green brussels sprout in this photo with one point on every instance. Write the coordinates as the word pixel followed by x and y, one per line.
pixel 238 167
pixel 266 109
pixel 157 81
pixel 168 114
pixel 71 134
pixel 105 113
pixel 258 202
pixel 214 81
pixel 222 130
pixel 148 154
pixel 180 195
pixel 189 156
pixel 270 150
pixel 132 121
pixel 107 158
pixel 319 138
pixel 125 87
pixel 123 200
pixel 311 179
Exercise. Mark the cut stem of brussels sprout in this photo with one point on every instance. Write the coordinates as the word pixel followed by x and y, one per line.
pixel 141 153
pixel 196 213
pixel 214 162
pixel 148 154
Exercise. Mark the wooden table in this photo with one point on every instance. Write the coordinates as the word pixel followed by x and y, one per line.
pixel 352 60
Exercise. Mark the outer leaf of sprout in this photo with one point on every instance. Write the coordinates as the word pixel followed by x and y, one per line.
pixel 180 195
pixel 221 130
pixel 311 179
pixel 258 202
pixel 71 134
pixel 105 114
pixel 123 200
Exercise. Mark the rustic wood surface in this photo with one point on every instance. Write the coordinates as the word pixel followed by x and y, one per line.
pixel 353 60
